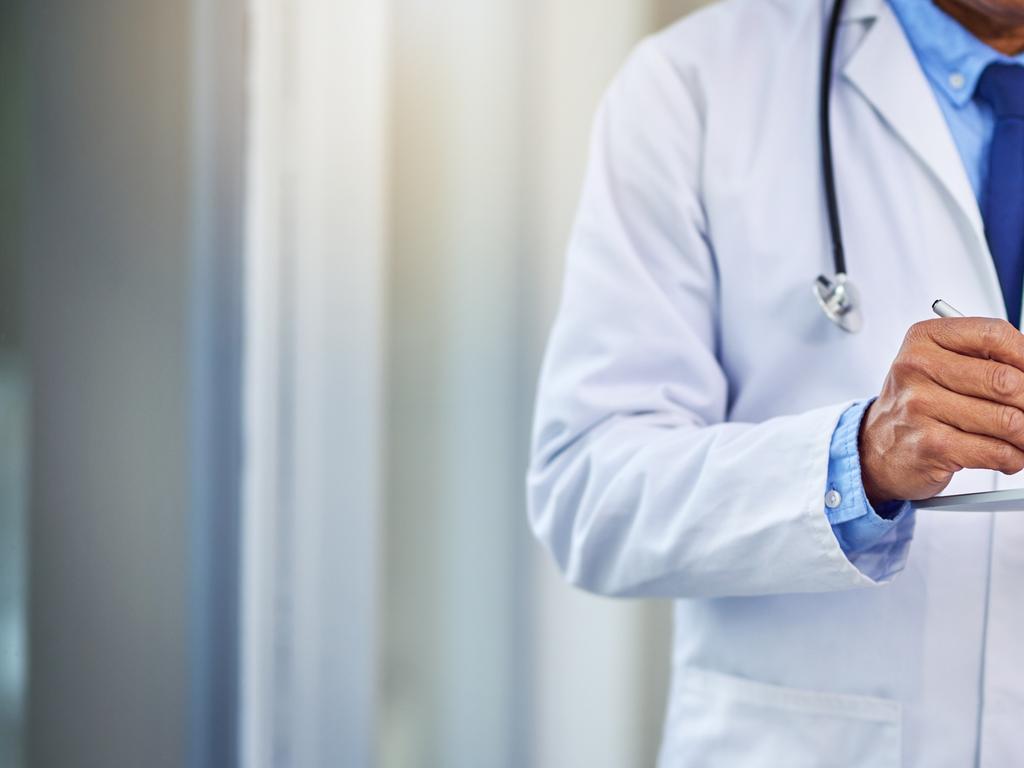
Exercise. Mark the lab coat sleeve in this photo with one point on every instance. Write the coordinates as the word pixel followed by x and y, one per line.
pixel 637 485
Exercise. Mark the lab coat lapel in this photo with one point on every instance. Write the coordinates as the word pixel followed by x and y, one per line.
pixel 886 72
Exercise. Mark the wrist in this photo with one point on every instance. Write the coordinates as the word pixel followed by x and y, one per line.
pixel 872 465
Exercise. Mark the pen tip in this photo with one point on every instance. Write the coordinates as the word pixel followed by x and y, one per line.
pixel 934 303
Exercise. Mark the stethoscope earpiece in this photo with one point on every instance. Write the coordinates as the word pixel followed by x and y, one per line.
pixel 839 300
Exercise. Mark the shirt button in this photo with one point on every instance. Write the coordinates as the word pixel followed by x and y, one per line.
pixel 956 80
pixel 833 499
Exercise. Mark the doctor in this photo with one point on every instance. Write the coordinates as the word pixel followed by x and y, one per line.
pixel 706 433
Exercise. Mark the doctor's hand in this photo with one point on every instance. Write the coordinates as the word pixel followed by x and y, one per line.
pixel 953 399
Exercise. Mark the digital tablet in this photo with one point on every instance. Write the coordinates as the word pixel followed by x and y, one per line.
pixel 991 501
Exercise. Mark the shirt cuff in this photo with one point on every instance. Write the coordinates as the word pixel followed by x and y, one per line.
pixel 857 525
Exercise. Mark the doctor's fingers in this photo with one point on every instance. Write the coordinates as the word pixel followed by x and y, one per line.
pixel 985 379
pixel 980 337
pixel 951 450
pixel 978 417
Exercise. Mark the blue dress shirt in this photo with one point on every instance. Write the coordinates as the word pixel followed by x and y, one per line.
pixel 952 59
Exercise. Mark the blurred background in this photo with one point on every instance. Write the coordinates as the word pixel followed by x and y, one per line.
pixel 275 280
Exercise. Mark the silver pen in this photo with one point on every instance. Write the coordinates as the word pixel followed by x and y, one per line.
pixel 943 309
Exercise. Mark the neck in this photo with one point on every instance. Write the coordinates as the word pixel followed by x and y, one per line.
pixel 999 28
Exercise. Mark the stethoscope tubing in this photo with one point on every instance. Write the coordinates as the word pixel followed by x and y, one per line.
pixel 825 130
pixel 837 295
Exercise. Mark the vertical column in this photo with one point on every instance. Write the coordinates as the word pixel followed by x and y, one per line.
pixel 107 245
pixel 456 631
pixel 316 263
pixel 215 288
pixel 14 405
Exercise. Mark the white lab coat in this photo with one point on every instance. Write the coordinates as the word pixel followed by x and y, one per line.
pixel 692 385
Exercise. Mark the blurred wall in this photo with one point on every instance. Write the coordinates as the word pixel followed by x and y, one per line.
pixel 489 657
pixel 12 179
pixel 108 245
pixel 314 348
pixel 13 392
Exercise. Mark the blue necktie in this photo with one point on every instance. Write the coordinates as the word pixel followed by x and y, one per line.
pixel 1002 87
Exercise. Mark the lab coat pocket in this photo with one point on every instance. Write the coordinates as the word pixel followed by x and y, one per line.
pixel 719 720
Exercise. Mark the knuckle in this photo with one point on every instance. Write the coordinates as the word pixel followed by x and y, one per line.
pixel 918 335
pixel 910 364
pixel 1011 420
pixel 1003 380
pixel 997 334
pixel 1000 455
pixel 915 362
pixel 929 444
pixel 1011 460
pixel 937 475
pixel 900 370
pixel 918 330
pixel 913 404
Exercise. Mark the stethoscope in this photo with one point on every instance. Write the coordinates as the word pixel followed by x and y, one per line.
pixel 837 295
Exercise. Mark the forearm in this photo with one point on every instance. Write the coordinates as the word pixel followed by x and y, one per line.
pixel 651 505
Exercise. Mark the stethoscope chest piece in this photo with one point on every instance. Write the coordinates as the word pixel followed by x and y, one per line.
pixel 839 300
pixel 837 296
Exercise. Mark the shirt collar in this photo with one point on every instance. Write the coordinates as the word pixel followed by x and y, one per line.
pixel 951 57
